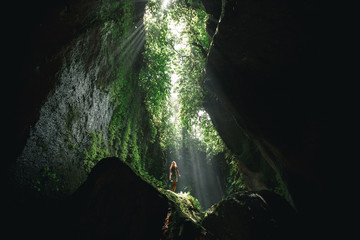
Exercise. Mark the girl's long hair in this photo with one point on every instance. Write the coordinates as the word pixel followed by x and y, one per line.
pixel 173 164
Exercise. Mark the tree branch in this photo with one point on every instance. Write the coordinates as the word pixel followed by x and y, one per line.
pixel 203 51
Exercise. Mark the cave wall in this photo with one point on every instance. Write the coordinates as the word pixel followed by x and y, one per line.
pixel 74 109
pixel 271 72
pixel 67 76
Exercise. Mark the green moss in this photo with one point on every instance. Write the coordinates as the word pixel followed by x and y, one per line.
pixel 184 217
pixel 234 178
pixel 96 151
pixel 187 204
pixel 49 181
pixel 119 79
pixel 282 190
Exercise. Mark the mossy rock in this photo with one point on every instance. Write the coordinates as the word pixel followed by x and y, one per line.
pixel 186 204
pixel 184 218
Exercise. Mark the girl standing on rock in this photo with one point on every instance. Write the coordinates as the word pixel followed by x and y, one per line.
pixel 173 175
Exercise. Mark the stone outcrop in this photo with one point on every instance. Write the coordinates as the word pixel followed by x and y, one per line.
pixel 116 203
pixel 251 215
pixel 183 219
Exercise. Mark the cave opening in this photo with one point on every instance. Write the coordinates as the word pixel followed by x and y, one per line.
pixel 131 86
pixel 107 93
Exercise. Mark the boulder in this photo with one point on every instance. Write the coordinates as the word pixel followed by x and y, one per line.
pixel 115 203
pixel 251 215
pixel 183 219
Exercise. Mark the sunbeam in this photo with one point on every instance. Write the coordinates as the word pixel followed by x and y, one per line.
pixel 199 175
pixel 137 30
pixel 178 57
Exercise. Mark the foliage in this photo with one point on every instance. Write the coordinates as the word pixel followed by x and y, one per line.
pixel 48 178
pixel 172 77
pixel 96 151
pixel 148 120
pixel 234 181
pixel 130 132
pixel 175 55
pixel 159 184
pixel 191 93
pixel 195 202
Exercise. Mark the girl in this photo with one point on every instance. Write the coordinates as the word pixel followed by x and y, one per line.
pixel 174 172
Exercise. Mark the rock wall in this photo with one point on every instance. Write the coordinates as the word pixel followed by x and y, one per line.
pixel 75 109
pixel 65 102
pixel 272 73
